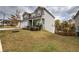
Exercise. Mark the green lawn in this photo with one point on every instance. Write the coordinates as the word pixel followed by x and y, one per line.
pixel 25 40
pixel 1 26
pixel 9 26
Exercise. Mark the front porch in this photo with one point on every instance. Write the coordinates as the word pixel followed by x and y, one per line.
pixel 35 24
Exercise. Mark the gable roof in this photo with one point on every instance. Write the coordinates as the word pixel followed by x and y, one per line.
pixel 25 13
pixel 45 10
pixel 42 8
pixel 49 12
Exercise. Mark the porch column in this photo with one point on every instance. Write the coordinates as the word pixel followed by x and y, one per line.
pixel 32 22
pixel 41 22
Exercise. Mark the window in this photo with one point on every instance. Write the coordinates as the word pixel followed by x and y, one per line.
pixel 33 15
pixel 39 13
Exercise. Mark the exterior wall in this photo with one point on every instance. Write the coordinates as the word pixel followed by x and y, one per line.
pixel 77 24
pixel 39 12
pixel 19 15
pixel 49 22
pixel 23 24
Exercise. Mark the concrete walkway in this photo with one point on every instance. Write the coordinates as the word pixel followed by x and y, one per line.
pixel 0 46
pixel 9 29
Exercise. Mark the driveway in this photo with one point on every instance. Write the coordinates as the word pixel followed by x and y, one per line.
pixel 9 28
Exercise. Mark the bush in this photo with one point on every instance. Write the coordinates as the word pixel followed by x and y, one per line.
pixel 66 33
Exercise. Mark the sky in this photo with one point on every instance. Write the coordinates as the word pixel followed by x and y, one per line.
pixel 60 12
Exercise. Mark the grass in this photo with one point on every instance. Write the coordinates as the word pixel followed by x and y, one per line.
pixel 1 26
pixel 9 26
pixel 37 41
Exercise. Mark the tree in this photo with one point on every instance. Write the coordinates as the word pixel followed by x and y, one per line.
pixel 68 26
pixel 71 26
pixel 13 20
pixel 65 26
pixel 3 14
pixel 57 25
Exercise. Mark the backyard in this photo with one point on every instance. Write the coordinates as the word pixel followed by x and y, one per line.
pixel 37 41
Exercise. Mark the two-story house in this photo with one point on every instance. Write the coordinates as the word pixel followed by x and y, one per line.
pixel 41 16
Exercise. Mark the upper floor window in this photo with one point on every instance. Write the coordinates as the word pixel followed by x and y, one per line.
pixel 39 13
pixel 26 16
pixel 33 15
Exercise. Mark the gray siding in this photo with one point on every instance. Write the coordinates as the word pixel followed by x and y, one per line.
pixel 77 23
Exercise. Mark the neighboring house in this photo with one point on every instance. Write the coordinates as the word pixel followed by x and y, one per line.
pixel 3 22
pixel 13 20
pixel 41 16
pixel 76 18
pixel 0 22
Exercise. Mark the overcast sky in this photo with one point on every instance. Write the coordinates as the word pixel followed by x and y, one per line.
pixel 61 12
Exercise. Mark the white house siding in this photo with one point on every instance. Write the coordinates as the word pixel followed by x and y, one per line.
pixel 49 22
pixel 23 24
pixel 77 24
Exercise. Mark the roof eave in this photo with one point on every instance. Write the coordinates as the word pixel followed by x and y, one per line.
pixel 49 13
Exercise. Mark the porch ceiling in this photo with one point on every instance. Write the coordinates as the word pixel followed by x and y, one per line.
pixel 35 18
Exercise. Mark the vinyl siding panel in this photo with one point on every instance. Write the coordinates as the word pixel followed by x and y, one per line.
pixel 49 22
pixel 77 24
